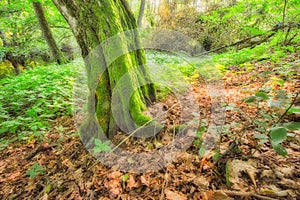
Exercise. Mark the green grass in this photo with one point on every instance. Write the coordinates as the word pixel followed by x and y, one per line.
pixel 28 102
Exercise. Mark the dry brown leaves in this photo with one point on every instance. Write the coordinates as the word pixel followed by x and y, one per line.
pixel 71 173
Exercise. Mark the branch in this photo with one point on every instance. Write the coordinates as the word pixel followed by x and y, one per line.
pixel 287 110
pixel 63 27
pixel 277 27
pixel 284 11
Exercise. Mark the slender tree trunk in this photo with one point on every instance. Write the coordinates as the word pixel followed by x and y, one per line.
pixel 284 12
pixel 55 51
pixel 141 13
pixel 92 23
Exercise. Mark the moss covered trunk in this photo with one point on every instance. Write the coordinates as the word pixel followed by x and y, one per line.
pixel 92 23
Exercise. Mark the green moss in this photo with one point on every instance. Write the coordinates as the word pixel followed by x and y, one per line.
pixel 136 107
pixel 97 23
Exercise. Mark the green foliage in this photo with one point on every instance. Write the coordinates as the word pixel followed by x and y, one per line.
pixel 294 110
pixel 176 69
pixel 261 52
pixel 29 101
pixel 6 68
pixel 169 70
pixel 268 121
pixel 35 170
pixel 225 24
pixel 101 146
pixel 125 177
pixel 278 134
pixel 22 33
pixel 199 138
pixel 292 126
pixel 228 24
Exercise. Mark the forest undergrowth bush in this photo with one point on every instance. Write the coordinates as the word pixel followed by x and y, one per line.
pixel 245 23
pixel 30 101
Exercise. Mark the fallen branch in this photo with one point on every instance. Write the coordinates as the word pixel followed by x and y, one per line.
pixel 277 27
pixel 245 194
pixel 39 149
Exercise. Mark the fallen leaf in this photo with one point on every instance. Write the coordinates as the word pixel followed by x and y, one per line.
pixel 114 192
pixel 268 174
pixel 112 184
pixel 144 181
pixel 220 195
pixel 115 175
pixel 131 183
pixel 208 195
pixel 104 198
pixel 201 182
pixel 170 195
pixel 234 169
pixel 31 186
pixel 68 163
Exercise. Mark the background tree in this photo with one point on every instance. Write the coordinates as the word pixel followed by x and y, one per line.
pixel 55 51
pixel 141 12
pixel 93 23
pixel 21 43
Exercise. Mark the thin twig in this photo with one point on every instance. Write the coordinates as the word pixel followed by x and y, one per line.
pixel 287 110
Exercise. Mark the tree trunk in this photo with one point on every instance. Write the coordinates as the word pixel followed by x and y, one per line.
pixel 141 13
pixel 92 23
pixel 56 53
pixel 9 55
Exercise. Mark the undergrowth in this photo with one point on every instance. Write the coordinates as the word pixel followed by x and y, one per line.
pixel 30 101
pixel 265 51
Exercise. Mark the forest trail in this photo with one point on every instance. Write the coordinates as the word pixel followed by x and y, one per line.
pixel 59 167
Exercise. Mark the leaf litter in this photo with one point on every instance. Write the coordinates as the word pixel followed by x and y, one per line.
pixel 230 171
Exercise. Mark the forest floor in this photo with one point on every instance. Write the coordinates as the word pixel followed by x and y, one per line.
pixel 238 168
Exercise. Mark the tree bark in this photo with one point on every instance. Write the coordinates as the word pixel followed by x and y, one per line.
pixel 92 23
pixel 141 13
pixel 55 51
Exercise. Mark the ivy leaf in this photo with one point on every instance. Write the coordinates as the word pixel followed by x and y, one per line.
pixel 125 177
pixel 278 134
pixel 250 99
pixel 262 95
pixel 279 149
pixel 261 136
pixel 294 126
pixel 294 110
pixel 261 142
pixel 101 147
pixel 202 151
pixel 35 170
pixel 98 142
